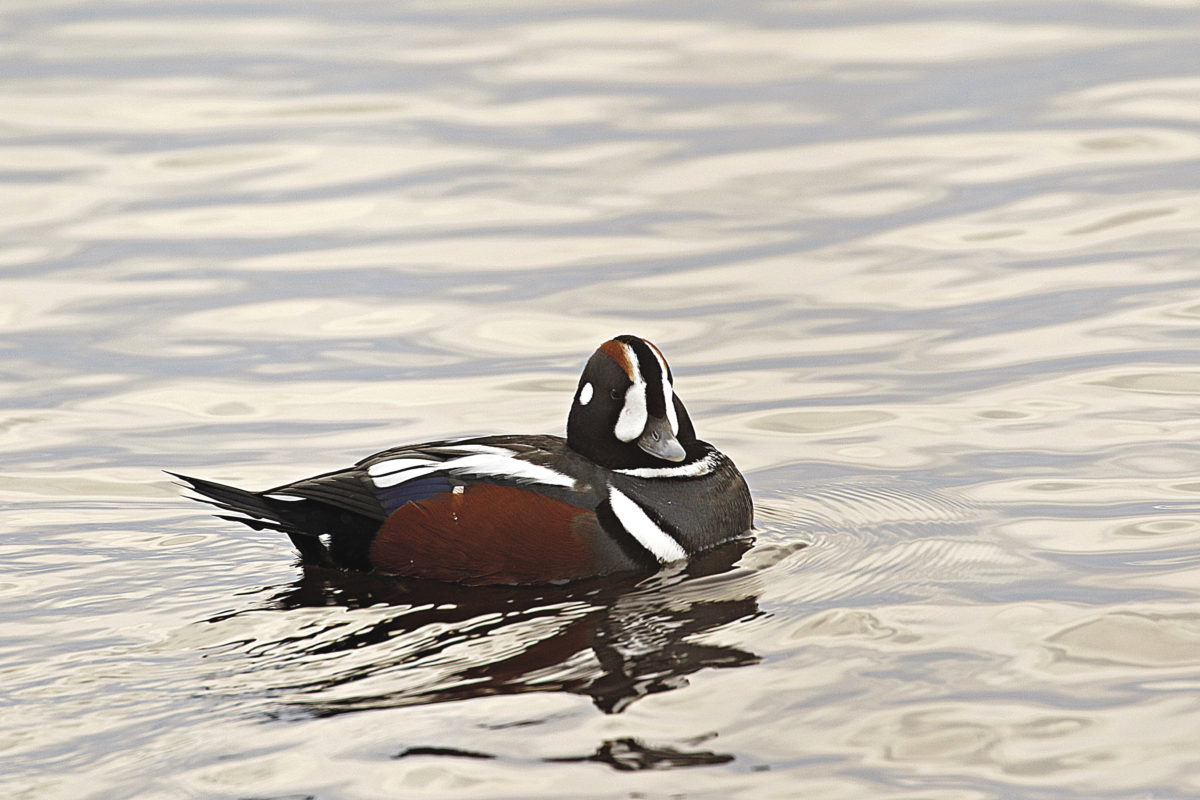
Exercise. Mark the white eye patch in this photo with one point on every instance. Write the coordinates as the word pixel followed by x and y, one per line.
pixel 633 417
pixel 585 394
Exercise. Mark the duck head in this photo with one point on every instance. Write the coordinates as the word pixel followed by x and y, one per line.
pixel 625 413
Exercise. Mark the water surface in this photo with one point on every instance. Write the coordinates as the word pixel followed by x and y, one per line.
pixel 928 273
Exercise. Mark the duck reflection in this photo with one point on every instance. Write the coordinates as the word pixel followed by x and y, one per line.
pixel 614 640
pixel 630 755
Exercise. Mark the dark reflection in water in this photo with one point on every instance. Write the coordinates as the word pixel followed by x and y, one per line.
pixel 630 754
pixel 626 754
pixel 613 640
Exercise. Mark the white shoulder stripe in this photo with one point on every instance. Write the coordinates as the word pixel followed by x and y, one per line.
pixel 657 541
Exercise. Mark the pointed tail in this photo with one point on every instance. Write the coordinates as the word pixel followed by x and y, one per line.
pixel 263 513
pixel 232 498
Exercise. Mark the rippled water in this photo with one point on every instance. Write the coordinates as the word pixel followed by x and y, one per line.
pixel 927 271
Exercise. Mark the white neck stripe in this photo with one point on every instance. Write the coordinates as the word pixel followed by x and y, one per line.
pixel 695 469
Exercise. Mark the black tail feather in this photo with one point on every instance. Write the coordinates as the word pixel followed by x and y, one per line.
pixel 263 513
pixel 231 498
pixel 256 524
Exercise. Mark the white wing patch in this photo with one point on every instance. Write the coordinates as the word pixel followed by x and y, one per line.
pixel 400 476
pixel 397 465
pixel 481 460
pixel 508 467
pixel 631 516
pixel 489 449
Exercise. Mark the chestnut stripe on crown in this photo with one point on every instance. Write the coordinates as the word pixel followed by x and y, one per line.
pixel 619 353
pixel 649 394
pixel 650 368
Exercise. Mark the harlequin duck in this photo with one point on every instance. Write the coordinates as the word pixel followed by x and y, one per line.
pixel 631 487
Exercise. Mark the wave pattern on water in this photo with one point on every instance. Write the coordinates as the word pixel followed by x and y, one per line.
pixel 926 272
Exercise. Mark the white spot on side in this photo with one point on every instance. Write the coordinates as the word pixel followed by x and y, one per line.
pixel 632 420
pixel 458 489
pixel 289 498
pixel 642 528
pixel 695 469
pixel 585 394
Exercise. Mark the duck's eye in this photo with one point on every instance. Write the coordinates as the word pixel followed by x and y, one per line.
pixel 615 394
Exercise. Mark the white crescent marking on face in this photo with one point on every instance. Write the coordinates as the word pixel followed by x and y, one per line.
pixel 632 420
pixel 668 391
pixel 657 541
pixel 585 394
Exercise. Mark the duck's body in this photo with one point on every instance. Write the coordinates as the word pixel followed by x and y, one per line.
pixel 631 487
